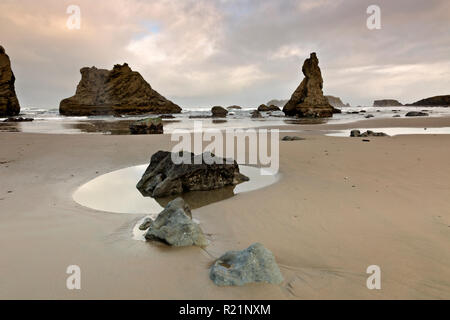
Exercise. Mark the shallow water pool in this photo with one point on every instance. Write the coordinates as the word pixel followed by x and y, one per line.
pixel 116 192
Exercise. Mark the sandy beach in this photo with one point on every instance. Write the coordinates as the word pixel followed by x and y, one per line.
pixel 340 205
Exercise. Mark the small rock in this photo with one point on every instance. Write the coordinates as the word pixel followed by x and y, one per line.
pixel 219 112
pixel 292 138
pixel 146 224
pixel 175 227
pixel 416 114
pixel 369 116
pixel 237 268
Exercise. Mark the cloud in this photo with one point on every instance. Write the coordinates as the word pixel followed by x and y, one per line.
pixel 208 52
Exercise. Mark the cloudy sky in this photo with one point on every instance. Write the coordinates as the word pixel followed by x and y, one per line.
pixel 223 52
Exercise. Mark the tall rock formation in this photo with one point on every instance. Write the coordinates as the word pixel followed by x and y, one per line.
pixel 115 92
pixel 9 104
pixel 308 99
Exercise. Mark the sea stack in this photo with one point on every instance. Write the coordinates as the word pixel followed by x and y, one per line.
pixel 387 103
pixel 116 92
pixel 308 99
pixel 9 104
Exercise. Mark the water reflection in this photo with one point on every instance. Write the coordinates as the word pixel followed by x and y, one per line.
pixel 116 192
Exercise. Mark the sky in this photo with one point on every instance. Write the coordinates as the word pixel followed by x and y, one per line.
pixel 227 52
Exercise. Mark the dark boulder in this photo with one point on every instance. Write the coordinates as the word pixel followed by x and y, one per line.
pixel 265 108
pixel 292 138
pixel 219 112
pixel 416 114
pixel 202 172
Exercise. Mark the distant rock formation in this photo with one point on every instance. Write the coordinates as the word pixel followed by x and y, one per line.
pixel 115 92
pixel 266 108
pixel 279 103
pixel 234 107
pixel 336 102
pixel 386 103
pixel 254 264
pixel 9 104
pixel 435 101
pixel 308 99
pixel 200 172
pixel 174 226
pixel 219 112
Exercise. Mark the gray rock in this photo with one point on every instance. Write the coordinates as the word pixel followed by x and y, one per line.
pixel 292 138
pixel 164 178
pixel 369 116
pixel 237 268
pixel 175 227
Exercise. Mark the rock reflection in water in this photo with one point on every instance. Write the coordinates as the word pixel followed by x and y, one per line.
pixel 116 192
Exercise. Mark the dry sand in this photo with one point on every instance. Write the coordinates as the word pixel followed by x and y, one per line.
pixel 340 206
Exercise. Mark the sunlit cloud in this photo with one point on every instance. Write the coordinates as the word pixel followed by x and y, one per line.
pixel 208 52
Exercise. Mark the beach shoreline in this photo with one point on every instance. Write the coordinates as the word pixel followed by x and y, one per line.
pixel 340 206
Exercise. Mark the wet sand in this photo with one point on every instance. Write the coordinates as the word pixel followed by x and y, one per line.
pixel 341 205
